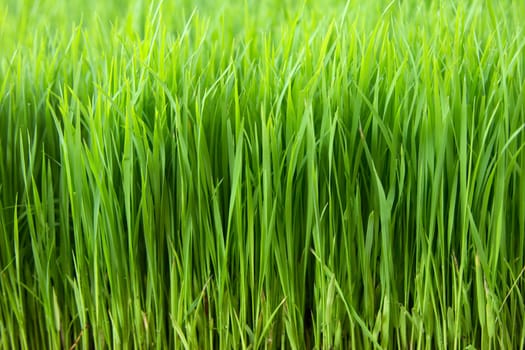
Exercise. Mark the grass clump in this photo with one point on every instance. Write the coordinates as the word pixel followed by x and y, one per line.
pixel 262 175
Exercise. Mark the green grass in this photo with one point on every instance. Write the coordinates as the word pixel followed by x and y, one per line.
pixel 229 175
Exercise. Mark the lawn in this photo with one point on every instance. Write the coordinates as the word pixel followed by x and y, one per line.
pixel 262 174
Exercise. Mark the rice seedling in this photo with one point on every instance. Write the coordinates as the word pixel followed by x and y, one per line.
pixel 262 174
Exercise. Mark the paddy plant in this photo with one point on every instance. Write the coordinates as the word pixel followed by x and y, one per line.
pixel 259 175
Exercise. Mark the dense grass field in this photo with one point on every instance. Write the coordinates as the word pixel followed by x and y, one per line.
pixel 262 174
